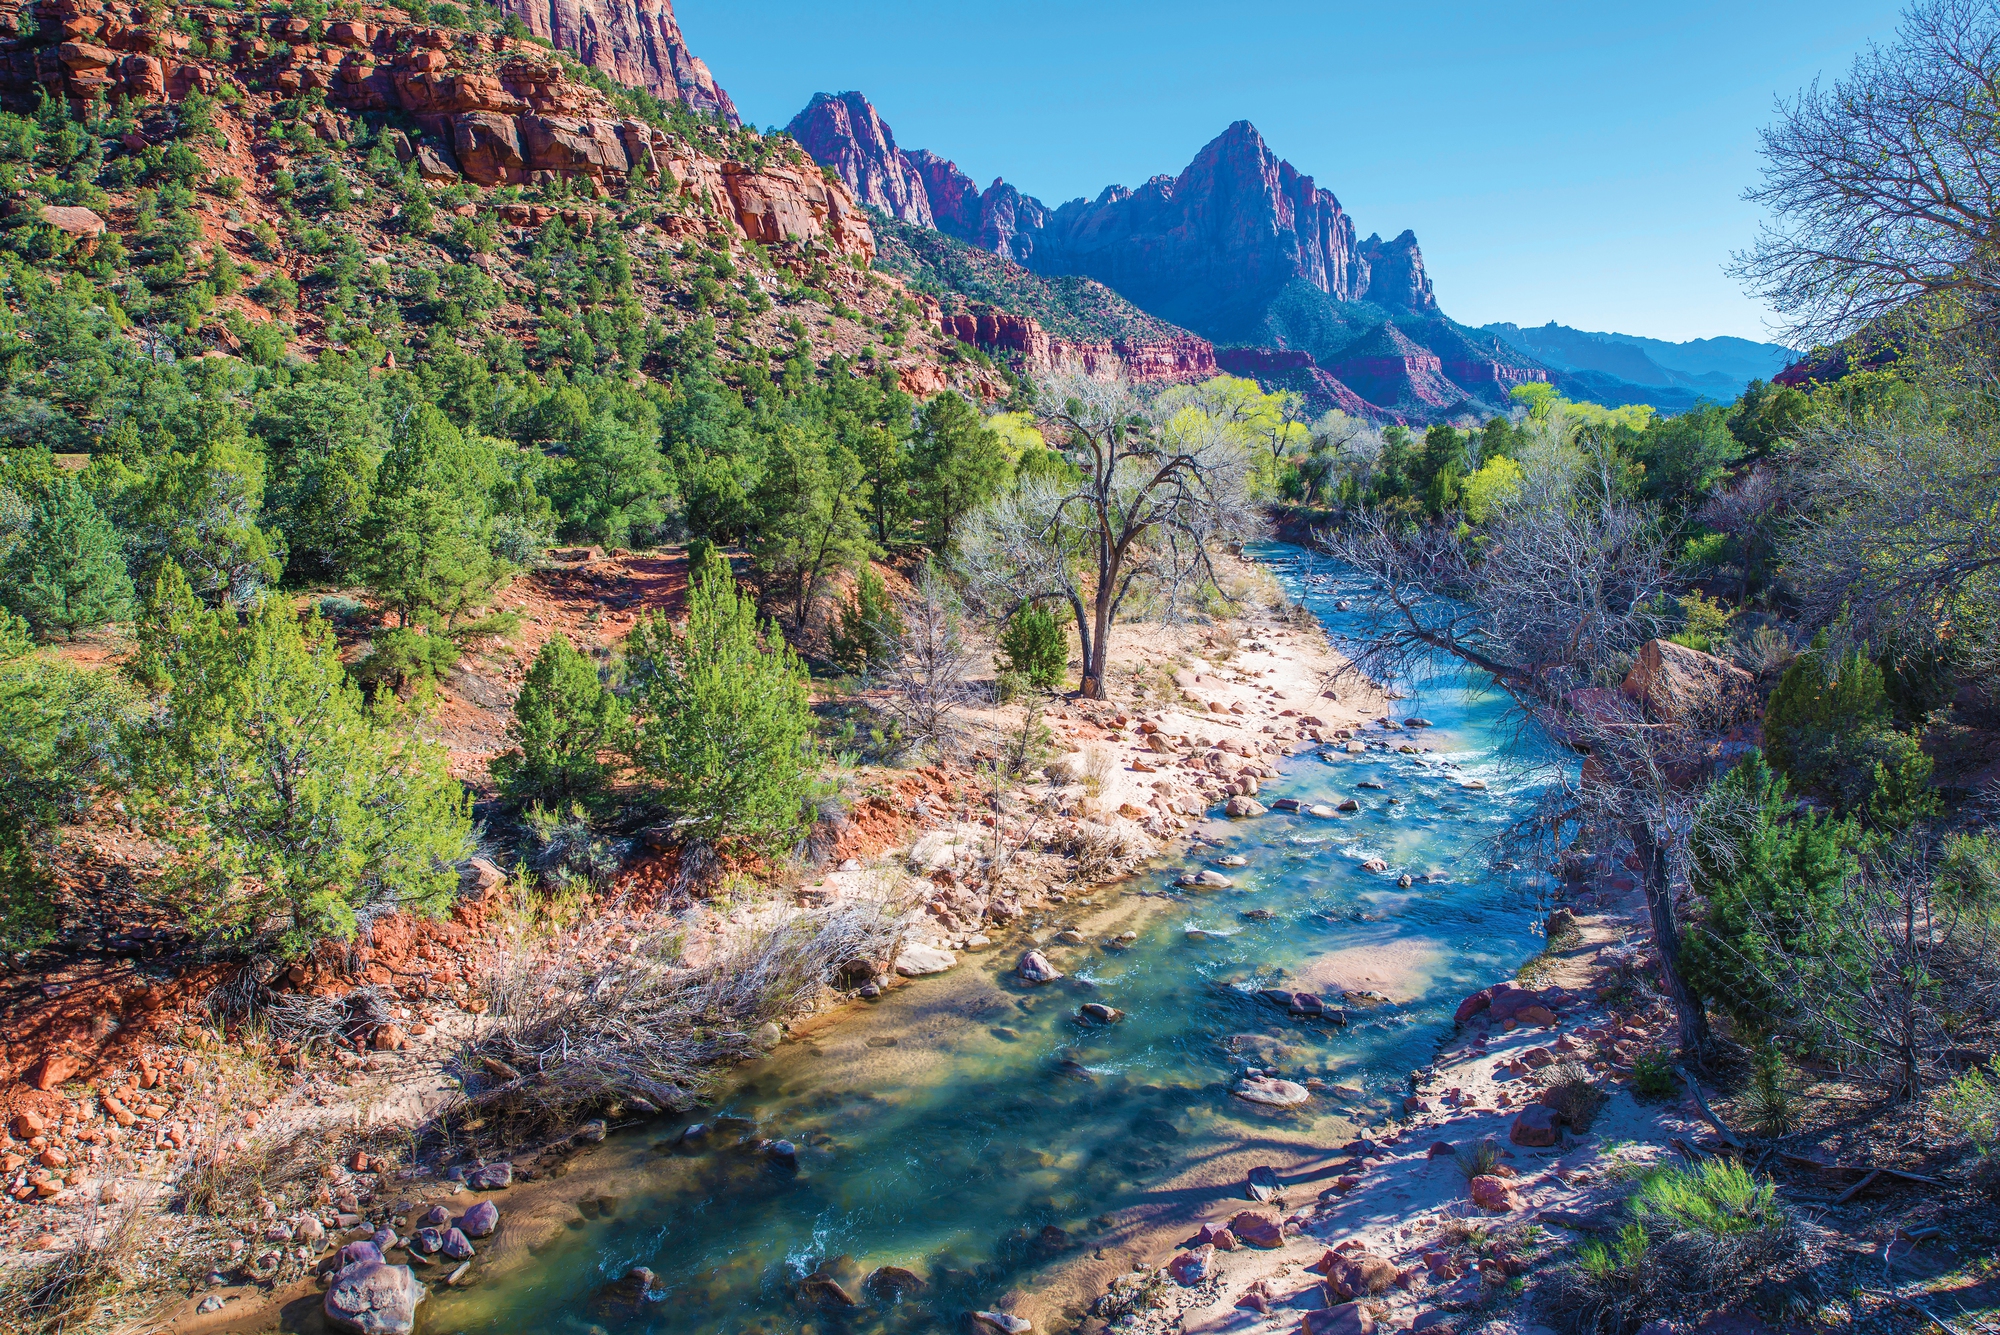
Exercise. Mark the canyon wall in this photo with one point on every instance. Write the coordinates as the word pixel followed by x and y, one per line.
pixel 636 42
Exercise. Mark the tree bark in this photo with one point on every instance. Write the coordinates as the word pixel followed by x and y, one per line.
pixel 1657 882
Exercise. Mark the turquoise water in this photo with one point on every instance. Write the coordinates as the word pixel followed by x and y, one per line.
pixel 972 1130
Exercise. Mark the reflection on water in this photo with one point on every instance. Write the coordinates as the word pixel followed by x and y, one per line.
pixel 976 1133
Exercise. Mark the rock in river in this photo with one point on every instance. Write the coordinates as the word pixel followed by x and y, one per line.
pixel 375 1298
pixel 890 1282
pixel 1035 968
pixel 1205 879
pixel 917 961
pixel 1000 1323
pixel 480 1220
pixel 1275 1093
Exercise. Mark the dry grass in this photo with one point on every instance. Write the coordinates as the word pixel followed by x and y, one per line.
pixel 1573 1095
pixel 1099 853
pixel 1098 764
pixel 61 1293
pixel 584 1020
pixel 216 1179
pixel 1482 1160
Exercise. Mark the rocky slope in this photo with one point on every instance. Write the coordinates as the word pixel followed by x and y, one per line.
pixel 1240 248
pixel 637 42
pixel 508 135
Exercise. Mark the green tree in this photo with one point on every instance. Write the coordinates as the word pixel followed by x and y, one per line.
pixel 1036 647
pixel 870 628
pixel 300 807
pixel 67 572
pixel 1830 726
pixel 322 443
pixel 809 522
pixel 722 725
pixel 429 544
pixel 613 480
pixel 956 466
pixel 564 719
pixel 58 727
pixel 1767 880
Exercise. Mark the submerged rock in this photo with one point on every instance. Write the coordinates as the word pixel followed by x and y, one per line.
pixel 1273 1093
pixel 891 1282
pixel 1035 968
pixel 1205 879
pixel 1000 1323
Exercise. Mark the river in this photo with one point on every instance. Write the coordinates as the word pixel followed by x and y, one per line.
pixel 972 1130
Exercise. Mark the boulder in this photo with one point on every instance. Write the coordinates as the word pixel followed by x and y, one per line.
pixel 573 145
pixel 375 1298
pixel 891 1282
pixel 354 1254
pixel 1257 1230
pixel 437 1216
pixel 1358 1275
pixel 918 961
pixel 480 1221
pixel 455 1245
pixel 1035 968
pixel 1673 682
pixel 53 1069
pixel 1243 805
pixel 426 1240
pixel 823 1291
pixel 1205 879
pixel 477 876
pixel 1096 1012
pixel 1218 1237
pixel 488 145
pixel 1493 1193
pixel 74 221
pixel 1192 1267
pixel 1536 1127
pixel 1374 864
pixel 1273 1093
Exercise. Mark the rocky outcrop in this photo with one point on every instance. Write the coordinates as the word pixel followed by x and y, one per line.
pixel 1163 361
pixel 953 196
pixel 845 133
pixel 636 42
pixel 1389 370
pixel 491 109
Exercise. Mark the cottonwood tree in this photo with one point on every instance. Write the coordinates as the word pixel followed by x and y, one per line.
pixel 1150 494
pixel 1882 189
pixel 1551 600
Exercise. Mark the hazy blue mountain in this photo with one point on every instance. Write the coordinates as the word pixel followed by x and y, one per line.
pixel 1627 368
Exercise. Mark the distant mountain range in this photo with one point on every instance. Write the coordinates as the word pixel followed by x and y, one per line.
pixel 1239 261
pixel 1625 368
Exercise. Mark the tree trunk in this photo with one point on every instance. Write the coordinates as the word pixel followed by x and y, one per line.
pixel 1654 876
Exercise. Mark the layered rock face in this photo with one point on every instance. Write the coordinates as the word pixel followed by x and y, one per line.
pixel 492 110
pixel 1153 361
pixel 845 133
pixel 636 42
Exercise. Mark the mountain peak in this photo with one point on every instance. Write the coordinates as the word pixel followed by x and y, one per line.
pixel 636 42
pixel 845 132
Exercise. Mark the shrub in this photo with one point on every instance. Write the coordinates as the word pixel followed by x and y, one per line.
pixel 1769 1107
pixel 1572 1095
pixel 299 807
pixel 563 719
pixel 404 657
pixel 1035 645
pixel 723 725
pixel 1653 1076
pixel 870 629
pixel 1700 1240
pixel 1830 726
pixel 67 571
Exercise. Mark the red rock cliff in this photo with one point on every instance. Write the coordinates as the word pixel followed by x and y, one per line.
pixel 845 133
pixel 636 42
pixel 1162 361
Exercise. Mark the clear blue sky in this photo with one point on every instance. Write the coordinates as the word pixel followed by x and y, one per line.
pixel 1580 162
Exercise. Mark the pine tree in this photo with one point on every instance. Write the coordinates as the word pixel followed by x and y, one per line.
pixel 300 807
pixel 430 550
pixel 723 727
pixel 564 719
pixel 870 628
pixel 67 573
pixel 957 465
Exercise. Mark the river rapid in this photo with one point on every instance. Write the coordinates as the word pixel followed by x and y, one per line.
pixel 972 1130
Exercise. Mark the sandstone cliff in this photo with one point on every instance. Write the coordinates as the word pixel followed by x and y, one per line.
pixel 637 42
pixel 846 134
pixel 1154 361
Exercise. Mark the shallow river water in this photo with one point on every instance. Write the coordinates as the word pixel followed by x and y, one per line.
pixel 970 1129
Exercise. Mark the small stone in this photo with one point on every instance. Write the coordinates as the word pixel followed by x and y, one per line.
pixel 1205 879
pixel 768 1034
pixel 1493 1193
pixel 891 1282
pixel 490 1177
pixel 480 1220
pixel 212 1303
pixel 1536 1127
pixel 1192 1267
pixel 784 1154
pixel 1263 1183
pixel 455 1245
pixel 1374 864
pixel 592 1132
pixel 1243 805
pixel 1096 1012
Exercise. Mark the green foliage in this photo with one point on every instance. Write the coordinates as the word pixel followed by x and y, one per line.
pixel 1717 1198
pixel 1653 1076
pixel 1971 1107
pixel 1830 727
pixel 66 573
pixel 810 524
pixel 958 465
pixel 870 628
pixel 430 550
pixel 322 442
pixel 301 808
pixel 564 719
pixel 722 729
pixel 57 742
pixel 1768 882
pixel 1704 622
pixel 404 658
pixel 1035 645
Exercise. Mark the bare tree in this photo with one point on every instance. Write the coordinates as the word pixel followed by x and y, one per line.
pixel 929 680
pixel 1885 187
pixel 1900 527
pixel 1565 585
pixel 1156 492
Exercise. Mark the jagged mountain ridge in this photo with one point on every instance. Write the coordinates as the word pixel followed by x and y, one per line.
pixel 1240 248
pixel 637 42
